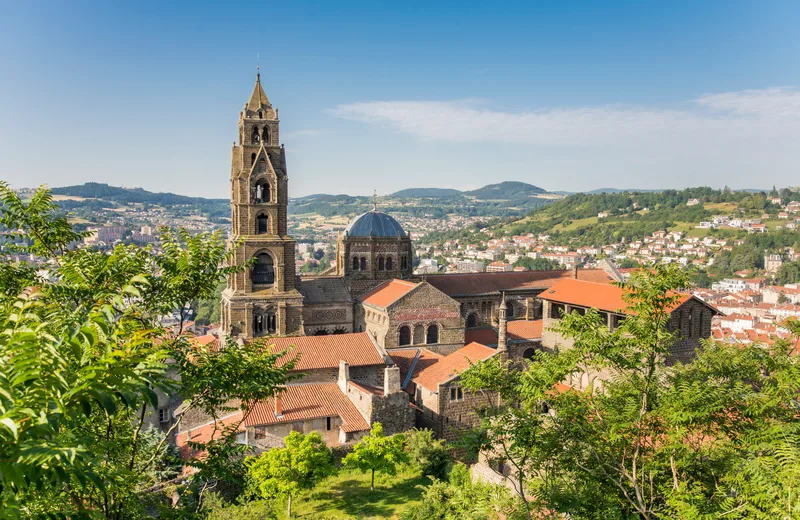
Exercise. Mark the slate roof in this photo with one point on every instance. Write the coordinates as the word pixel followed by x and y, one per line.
pixel 324 290
pixel 467 284
pixel 316 352
pixel 388 292
pixel 374 223
pixel 309 401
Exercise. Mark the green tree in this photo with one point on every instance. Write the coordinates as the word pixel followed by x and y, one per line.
pixel 377 452
pixel 789 272
pixel 461 498
pixel 428 453
pixel 714 438
pixel 301 464
pixel 629 263
pixel 84 358
pixel 537 264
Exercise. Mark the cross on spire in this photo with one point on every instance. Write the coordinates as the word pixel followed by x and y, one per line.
pixel 374 200
pixel 258 66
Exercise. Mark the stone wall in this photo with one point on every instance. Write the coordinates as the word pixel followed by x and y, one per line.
pixel 459 416
pixel 422 307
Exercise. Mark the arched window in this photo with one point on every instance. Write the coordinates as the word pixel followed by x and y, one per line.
pixel 528 354
pixel 419 335
pixel 433 335
pixel 404 335
pixel 472 320
pixel 260 115
pixel 403 263
pixel 509 310
pixel 263 191
pixel 252 159
pixel 355 263
pixel 363 263
pixel 265 135
pixel 381 264
pixel 264 323
pixel 389 263
pixel 264 270
pixel 262 224
pixel 255 137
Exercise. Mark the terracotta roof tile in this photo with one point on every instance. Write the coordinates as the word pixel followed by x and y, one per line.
pixel 523 330
pixel 388 292
pixel 463 284
pixel 311 401
pixel 412 360
pixel 483 335
pixel 317 352
pixel 604 297
pixel 446 368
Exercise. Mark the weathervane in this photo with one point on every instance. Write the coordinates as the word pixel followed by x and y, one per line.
pixel 258 65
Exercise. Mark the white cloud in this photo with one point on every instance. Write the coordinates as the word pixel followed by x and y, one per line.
pixel 742 124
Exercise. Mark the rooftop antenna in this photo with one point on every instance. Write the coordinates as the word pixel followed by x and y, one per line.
pixel 374 200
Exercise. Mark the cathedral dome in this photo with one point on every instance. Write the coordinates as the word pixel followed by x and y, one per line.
pixel 374 223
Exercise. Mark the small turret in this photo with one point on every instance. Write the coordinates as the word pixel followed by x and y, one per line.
pixel 502 325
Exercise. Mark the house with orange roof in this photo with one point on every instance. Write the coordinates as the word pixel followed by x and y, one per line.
pixel 690 316
pixel 340 385
pixel 433 383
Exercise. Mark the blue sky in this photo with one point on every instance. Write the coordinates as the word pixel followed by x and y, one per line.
pixel 564 95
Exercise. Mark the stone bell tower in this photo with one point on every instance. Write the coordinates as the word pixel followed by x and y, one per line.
pixel 263 299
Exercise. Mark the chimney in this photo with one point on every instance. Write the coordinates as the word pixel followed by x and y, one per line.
pixel 391 380
pixel 575 271
pixel 278 406
pixel 502 325
pixel 344 375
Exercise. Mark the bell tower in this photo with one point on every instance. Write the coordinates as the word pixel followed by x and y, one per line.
pixel 263 299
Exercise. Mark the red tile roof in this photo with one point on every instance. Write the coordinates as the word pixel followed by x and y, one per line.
pixel 522 330
pixel 604 297
pixel 463 284
pixel 317 352
pixel 310 401
pixel 412 360
pixel 205 433
pixel 388 292
pixel 483 335
pixel 444 369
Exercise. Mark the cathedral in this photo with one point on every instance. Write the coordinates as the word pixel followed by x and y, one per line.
pixel 374 342
pixel 372 287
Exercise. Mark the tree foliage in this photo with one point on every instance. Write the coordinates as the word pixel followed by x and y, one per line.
pixel 85 362
pixel 714 438
pixel 301 464
pixel 377 452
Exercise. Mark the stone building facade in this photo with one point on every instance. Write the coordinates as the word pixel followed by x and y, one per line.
pixel 263 300
pixel 690 317
pixel 400 313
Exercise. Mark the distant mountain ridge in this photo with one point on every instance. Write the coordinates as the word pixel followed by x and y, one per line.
pixel 508 190
pixel 96 190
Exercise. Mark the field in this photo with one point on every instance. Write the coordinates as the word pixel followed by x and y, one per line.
pixel 343 496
